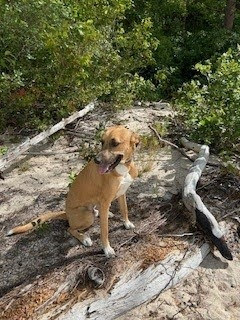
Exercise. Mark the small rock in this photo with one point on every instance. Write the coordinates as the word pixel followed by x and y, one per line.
pixel 161 105
pixel 167 196
pixel 138 103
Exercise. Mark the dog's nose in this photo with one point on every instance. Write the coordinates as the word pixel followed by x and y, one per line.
pixel 103 156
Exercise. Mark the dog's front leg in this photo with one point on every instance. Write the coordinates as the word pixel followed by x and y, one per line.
pixel 124 212
pixel 108 250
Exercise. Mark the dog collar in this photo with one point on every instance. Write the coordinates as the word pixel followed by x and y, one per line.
pixel 121 169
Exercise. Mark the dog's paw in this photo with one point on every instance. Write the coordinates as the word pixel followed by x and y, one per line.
pixel 110 214
pixel 96 213
pixel 87 242
pixel 128 224
pixel 109 252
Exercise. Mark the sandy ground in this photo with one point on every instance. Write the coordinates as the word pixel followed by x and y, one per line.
pixel 40 183
pixel 211 293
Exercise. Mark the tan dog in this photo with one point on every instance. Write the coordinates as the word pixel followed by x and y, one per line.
pixel 103 180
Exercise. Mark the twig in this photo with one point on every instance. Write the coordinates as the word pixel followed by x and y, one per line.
pixel 177 235
pixel 8 306
pixel 230 213
pixel 208 183
pixel 182 309
pixel 237 156
pixel 180 149
pixel 170 144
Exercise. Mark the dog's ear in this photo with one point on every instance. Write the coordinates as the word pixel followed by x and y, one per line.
pixel 135 139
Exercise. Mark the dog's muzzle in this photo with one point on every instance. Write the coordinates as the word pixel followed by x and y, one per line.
pixel 107 161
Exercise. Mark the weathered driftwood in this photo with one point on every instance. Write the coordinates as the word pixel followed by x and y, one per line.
pixel 193 202
pixel 8 159
pixel 135 287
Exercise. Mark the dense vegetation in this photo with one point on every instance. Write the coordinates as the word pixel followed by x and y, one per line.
pixel 211 106
pixel 56 55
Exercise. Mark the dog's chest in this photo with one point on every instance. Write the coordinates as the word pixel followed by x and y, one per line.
pixel 126 179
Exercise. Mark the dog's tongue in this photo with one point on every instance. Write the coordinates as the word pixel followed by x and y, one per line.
pixel 103 168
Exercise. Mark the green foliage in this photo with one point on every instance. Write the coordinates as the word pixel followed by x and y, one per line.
pixel 99 131
pixel 129 88
pixel 149 142
pixel 188 31
pixel 210 104
pixel 72 176
pixel 57 55
pixel 3 150
pixel 161 127
pixel 43 228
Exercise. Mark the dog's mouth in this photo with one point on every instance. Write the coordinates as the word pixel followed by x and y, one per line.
pixel 108 167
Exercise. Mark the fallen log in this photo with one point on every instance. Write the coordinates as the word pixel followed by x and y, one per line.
pixel 134 288
pixel 199 212
pixel 7 160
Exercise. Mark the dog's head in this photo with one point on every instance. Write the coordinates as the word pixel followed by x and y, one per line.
pixel 118 145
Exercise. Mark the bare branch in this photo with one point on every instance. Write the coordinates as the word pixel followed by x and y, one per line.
pixel 170 143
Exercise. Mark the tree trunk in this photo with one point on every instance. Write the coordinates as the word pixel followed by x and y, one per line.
pixel 229 14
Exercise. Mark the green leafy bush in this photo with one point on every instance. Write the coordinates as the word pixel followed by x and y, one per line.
pixel 210 105
pixel 188 32
pixel 57 55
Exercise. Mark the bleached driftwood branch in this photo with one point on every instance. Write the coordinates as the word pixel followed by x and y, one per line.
pixel 14 153
pixel 134 288
pixel 193 202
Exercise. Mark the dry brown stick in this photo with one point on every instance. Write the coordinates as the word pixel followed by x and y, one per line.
pixel 180 149
pixel 207 184
pixel 231 213
pixel 170 143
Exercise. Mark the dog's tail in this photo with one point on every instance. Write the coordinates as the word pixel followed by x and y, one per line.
pixel 38 221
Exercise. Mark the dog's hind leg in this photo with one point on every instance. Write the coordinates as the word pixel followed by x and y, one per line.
pixel 80 219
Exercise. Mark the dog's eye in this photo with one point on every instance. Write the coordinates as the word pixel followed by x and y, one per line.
pixel 114 143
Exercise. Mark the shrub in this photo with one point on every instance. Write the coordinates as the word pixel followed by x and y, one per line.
pixel 188 32
pixel 210 104
pixel 57 55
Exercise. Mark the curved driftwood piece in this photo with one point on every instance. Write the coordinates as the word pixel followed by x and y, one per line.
pixel 7 160
pixel 193 202
pixel 135 287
